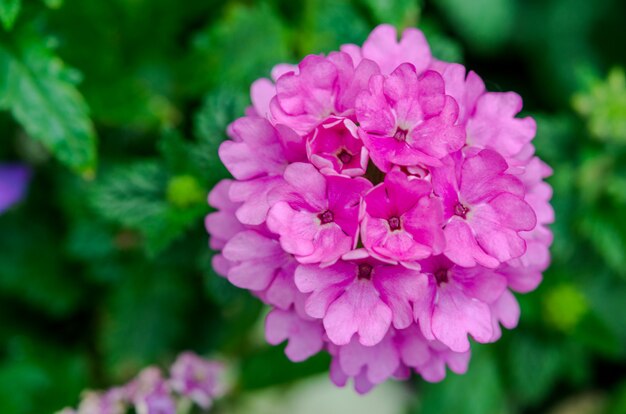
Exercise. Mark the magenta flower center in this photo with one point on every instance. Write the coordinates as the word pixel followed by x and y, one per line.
pixel 400 134
pixel 365 271
pixel 326 217
pixel 441 276
pixel 344 156
pixel 394 223
pixel 460 210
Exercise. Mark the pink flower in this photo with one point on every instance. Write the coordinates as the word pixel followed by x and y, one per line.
pixel 317 220
pixel 368 365
pixel 334 147
pixel 484 209
pixel 382 46
pixel 408 120
pixel 465 89
pixel 402 222
pixel 429 358
pixel 494 125
pixel 456 302
pixel 112 401
pixel 362 297
pixel 197 378
pixel 304 335
pixel 322 87
pixel 259 149
pixel 385 206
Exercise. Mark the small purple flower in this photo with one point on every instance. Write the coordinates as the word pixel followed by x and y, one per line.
pixel 198 379
pixel 14 180
pixel 150 393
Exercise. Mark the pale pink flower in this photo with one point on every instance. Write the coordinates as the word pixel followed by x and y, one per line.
pixel 150 393
pixel 199 379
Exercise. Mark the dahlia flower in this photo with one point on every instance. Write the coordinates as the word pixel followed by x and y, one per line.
pixel 385 205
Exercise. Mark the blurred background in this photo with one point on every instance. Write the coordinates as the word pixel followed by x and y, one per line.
pixel 117 108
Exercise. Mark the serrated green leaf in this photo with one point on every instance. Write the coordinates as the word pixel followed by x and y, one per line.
pixel 42 96
pixel 135 196
pixel 220 108
pixel 9 10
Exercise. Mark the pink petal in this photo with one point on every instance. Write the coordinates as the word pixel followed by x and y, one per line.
pixel 358 310
pixel 305 337
pixel 462 248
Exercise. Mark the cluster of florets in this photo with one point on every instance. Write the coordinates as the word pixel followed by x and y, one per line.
pixel 193 380
pixel 385 205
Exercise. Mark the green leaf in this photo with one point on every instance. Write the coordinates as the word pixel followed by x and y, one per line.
pixel 135 196
pixel 243 46
pixel 41 93
pixel 220 108
pixel 39 377
pixel 442 46
pixel 485 24
pixel 532 357
pixel 53 4
pixel 479 391
pixel 607 233
pixel 144 318
pixel 402 13
pixel 270 367
pixel 329 24
pixel 9 9
pixel 41 283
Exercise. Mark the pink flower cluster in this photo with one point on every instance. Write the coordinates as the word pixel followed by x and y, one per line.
pixel 191 377
pixel 385 205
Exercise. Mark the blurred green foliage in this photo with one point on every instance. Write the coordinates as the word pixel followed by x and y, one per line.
pixel 120 105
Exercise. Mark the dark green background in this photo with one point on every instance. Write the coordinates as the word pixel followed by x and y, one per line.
pixel 119 106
